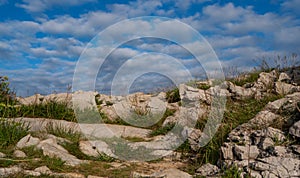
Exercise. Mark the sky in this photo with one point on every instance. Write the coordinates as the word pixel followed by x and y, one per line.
pixel 42 41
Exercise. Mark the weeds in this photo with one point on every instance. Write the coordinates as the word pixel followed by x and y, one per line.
pixel 173 96
pixel 61 131
pixel 11 132
pixel 7 96
pixel 51 109
pixel 162 130
pixel 248 78
pixel 280 63
pixel 236 113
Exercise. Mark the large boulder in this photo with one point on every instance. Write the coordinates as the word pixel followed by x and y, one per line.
pixel 52 149
pixel 295 129
pixel 27 141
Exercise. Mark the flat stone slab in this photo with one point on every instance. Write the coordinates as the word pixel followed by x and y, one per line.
pixel 93 130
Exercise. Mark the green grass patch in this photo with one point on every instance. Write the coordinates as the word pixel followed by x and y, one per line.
pixel 61 131
pixel 173 96
pixel 11 132
pixel 248 78
pixel 50 109
pixel 162 130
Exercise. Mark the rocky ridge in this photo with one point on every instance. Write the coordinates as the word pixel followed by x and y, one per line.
pixel 268 145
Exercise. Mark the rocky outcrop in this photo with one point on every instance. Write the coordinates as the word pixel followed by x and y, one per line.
pixel 295 129
pixel 168 173
pixel 261 150
pixel 260 147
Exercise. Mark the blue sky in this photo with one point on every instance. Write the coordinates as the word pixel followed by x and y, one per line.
pixel 41 40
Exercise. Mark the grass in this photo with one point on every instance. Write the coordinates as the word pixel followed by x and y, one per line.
pixel 162 130
pixel 249 78
pixel 11 132
pixel 196 84
pixel 51 110
pixel 134 139
pixel 236 113
pixel 61 131
pixel 173 96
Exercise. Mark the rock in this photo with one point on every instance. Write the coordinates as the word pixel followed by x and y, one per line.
pixel 266 143
pixel 43 170
pixel 266 81
pixel 27 141
pixel 94 148
pixel 280 151
pixel 59 140
pixel 87 148
pixel 227 151
pixel 171 173
pixel 32 173
pixel 90 176
pixel 264 119
pixel 6 172
pixel 190 95
pixel 239 92
pixel 296 148
pixel 276 105
pixel 255 174
pixel 295 129
pixel 193 138
pixel 208 170
pixel 275 134
pixel 84 101
pixel 110 112
pixel 2 155
pixel 68 175
pixel 283 88
pixel 52 149
pixel 280 167
pixel 246 152
pixel 268 174
pixel 283 77
pixel 59 97
pixel 35 99
pixel 19 154
pixel 170 120
pixel 90 130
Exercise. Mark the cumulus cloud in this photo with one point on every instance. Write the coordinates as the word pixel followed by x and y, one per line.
pixel 46 49
pixel 34 6
pixel 291 6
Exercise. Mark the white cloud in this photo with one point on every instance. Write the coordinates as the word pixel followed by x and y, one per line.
pixel 138 8
pixel 291 6
pixel 238 35
pixel 86 25
pixel 34 6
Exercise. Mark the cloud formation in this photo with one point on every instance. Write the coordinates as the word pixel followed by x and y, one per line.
pixel 39 53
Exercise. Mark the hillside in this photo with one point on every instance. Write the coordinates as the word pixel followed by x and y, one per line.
pixel 177 133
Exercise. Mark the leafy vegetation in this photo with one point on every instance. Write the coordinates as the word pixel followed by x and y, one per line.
pixel 11 132
pixel 51 110
pixel 248 78
pixel 162 130
pixel 7 96
pixel 173 96
pixel 236 113
pixel 61 131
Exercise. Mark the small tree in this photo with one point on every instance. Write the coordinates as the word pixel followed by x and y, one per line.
pixel 6 95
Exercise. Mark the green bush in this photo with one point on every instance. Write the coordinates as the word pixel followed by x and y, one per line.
pixel 162 130
pixel 51 110
pixel 6 95
pixel 11 132
pixel 249 78
pixel 173 96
